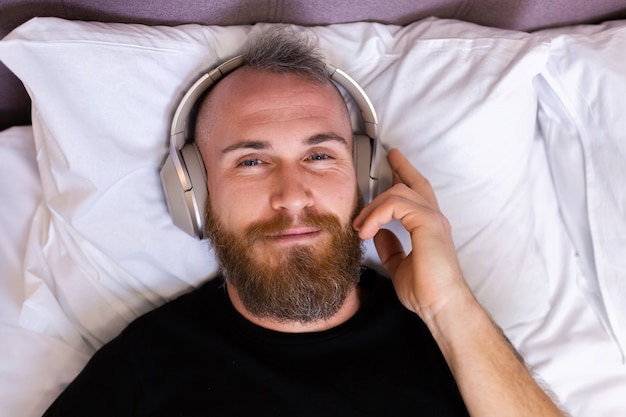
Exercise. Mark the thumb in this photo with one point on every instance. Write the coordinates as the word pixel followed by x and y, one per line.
pixel 390 250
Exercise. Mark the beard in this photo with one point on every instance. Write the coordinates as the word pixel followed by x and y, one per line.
pixel 301 283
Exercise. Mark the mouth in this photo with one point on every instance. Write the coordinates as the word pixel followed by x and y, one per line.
pixel 302 234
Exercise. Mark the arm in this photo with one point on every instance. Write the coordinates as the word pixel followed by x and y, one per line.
pixel 430 283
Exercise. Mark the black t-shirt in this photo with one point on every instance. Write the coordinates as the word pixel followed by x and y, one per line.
pixel 197 356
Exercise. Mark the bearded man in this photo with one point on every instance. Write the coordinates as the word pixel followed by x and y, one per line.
pixel 294 326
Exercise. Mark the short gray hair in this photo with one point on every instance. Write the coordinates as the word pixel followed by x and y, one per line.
pixel 285 50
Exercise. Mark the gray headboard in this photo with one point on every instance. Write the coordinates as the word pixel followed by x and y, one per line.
pixel 527 15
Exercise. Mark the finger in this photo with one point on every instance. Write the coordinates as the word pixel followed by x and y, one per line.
pixel 399 203
pixel 410 176
pixel 377 209
pixel 395 179
pixel 390 250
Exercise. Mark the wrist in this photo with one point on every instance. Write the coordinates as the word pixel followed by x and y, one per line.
pixel 461 328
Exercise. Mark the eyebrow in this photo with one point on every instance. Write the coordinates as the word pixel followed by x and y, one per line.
pixel 259 144
pixel 326 137
pixel 246 144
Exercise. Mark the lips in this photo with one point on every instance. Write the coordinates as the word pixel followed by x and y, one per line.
pixel 304 230
pixel 296 233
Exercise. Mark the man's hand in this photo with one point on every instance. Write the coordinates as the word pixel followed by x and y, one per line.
pixel 429 277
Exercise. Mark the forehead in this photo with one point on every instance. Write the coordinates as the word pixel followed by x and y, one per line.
pixel 246 82
pixel 248 99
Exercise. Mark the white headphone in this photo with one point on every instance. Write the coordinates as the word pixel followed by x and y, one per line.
pixel 183 174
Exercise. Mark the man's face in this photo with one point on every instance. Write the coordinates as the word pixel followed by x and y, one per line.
pixel 282 191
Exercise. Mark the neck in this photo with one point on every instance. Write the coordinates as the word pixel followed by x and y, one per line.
pixel 347 310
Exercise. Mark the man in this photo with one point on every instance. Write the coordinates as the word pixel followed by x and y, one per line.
pixel 294 325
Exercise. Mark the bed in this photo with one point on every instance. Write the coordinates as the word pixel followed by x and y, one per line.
pixel 513 110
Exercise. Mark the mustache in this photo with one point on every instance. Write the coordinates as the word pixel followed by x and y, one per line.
pixel 283 221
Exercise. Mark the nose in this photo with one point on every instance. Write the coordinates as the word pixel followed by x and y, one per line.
pixel 292 191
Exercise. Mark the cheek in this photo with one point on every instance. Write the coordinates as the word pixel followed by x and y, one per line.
pixel 338 195
pixel 235 204
pixel 219 197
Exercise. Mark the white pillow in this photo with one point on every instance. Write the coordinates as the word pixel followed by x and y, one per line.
pixel 455 97
pixel 582 120
pixel 19 202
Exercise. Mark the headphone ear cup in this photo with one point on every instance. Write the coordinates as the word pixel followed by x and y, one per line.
pixel 186 206
pixel 197 196
pixel 175 195
pixel 384 176
pixel 362 163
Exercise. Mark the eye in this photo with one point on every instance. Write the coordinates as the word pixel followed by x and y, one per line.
pixel 251 162
pixel 319 156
